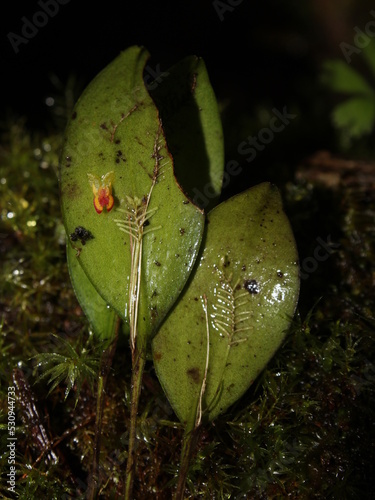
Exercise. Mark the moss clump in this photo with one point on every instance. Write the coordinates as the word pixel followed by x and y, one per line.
pixel 304 430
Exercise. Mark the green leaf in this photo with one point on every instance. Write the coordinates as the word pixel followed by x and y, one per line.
pixel 340 77
pixel 192 124
pixel 115 161
pixel 101 316
pixel 248 275
pixel 355 116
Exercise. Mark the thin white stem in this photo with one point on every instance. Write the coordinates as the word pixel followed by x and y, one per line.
pixel 203 387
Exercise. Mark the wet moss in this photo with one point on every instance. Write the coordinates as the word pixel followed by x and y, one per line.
pixel 304 429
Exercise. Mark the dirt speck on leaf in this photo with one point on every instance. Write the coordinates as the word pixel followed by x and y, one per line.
pixel 193 373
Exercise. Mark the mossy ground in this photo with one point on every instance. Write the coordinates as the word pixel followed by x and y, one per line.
pixel 305 428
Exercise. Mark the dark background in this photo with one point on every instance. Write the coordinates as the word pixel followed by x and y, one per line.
pixel 82 41
pixel 259 55
pixel 258 49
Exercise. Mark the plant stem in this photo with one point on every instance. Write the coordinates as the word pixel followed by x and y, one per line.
pixel 105 366
pixel 138 364
pixel 188 444
pixel 138 343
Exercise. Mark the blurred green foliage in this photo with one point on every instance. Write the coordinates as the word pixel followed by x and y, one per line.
pixel 354 115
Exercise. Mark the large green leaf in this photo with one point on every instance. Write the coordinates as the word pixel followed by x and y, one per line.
pixel 115 146
pixel 192 124
pixel 247 281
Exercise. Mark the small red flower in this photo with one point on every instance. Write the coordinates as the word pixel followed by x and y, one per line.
pixel 102 189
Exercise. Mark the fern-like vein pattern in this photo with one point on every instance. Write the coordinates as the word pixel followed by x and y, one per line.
pixel 231 311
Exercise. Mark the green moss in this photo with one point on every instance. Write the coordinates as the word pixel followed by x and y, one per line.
pixel 304 430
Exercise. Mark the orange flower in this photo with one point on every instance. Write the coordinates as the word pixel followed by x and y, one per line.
pixel 102 189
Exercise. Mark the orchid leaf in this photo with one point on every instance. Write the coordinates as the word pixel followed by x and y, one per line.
pixel 100 315
pixel 192 124
pixel 235 310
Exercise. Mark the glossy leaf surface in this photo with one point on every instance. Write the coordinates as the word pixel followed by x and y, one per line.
pixel 101 316
pixel 247 281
